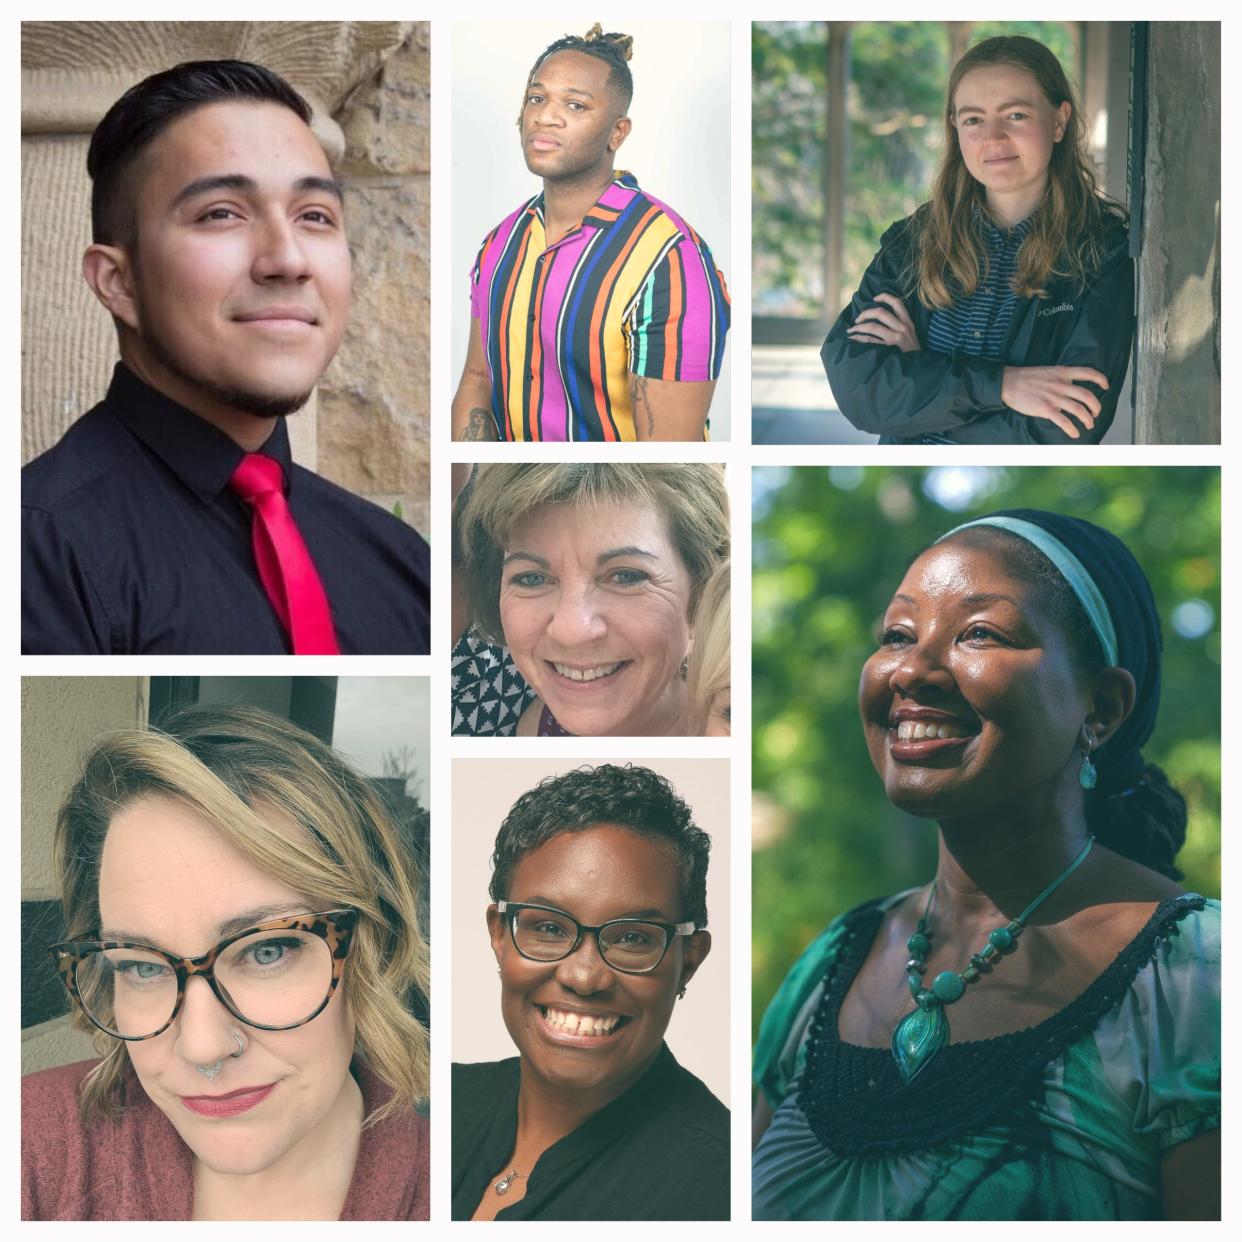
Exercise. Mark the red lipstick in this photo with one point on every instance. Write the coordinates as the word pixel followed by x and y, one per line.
pixel 229 1104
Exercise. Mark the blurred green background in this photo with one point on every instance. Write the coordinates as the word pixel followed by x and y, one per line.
pixel 830 547
pixel 898 72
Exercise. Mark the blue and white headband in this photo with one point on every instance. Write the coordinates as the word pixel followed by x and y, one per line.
pixel 1068 566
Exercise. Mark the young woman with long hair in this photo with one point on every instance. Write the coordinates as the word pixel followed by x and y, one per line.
pixel 1000 312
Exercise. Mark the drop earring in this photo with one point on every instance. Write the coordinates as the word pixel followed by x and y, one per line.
pixel 1087 775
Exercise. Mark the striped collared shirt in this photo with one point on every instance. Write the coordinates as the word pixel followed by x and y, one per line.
pixel 979 324
pixel 632 290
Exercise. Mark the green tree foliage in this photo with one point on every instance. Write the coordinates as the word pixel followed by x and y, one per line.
pixel 830 547
pixel 789 65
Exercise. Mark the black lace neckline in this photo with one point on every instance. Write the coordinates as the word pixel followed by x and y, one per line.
pixel 854 1099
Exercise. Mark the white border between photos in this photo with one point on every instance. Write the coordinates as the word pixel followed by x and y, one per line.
pixel 738 457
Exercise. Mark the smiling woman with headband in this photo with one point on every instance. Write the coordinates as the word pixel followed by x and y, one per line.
pixel 243 941
pixel 1035 1032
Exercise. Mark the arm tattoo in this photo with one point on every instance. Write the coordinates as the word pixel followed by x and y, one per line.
pixel 641 402
pixel 479 426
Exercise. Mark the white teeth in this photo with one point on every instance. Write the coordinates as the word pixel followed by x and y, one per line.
pixel 581 1023
pixel 586 674
pixel 914 730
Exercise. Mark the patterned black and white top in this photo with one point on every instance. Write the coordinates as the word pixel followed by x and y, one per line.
pixel 489 694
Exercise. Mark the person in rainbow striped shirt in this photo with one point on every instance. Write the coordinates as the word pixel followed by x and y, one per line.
pixel 597 312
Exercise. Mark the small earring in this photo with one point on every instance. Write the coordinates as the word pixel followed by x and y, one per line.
pixel 681 994
pixel 1087 775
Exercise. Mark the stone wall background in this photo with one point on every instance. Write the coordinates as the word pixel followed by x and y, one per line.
pixel 367 428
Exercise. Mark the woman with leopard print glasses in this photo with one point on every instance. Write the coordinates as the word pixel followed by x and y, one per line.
pixel 242 933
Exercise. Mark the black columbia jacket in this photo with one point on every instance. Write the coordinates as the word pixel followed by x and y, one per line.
pixel 924 396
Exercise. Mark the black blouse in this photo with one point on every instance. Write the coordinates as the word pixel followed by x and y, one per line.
pixel 658 1152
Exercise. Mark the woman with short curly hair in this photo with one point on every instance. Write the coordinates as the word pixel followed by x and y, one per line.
pixel 598 923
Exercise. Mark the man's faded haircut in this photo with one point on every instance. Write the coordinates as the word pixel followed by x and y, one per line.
pixel 612 48
pixel 146 110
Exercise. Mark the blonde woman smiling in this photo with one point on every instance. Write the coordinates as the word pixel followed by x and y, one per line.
pixel 242 938
pixel 589 579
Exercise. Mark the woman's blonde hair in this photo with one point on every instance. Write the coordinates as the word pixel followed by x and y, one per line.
pixel 251 774
pixel 1068 228
pixel 709 657
pixel 692 499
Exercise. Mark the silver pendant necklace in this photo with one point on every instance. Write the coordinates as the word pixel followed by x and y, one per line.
pixel 502 1186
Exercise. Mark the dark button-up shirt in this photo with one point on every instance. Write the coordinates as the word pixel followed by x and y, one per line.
pixel 133 543
pixel 660 1151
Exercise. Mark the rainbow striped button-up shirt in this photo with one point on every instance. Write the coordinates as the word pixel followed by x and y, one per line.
pixel 632 290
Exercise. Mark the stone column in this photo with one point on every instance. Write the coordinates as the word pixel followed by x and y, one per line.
pixel 369 85
pixel 1178 341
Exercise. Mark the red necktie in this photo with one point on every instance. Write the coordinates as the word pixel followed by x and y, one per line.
pixel 285 567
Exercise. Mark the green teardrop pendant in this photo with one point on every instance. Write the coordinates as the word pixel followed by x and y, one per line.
pixel 918 1037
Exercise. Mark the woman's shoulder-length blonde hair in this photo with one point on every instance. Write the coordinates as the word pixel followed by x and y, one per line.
pixel 253 776
pixel 1069 230
pixel 691 497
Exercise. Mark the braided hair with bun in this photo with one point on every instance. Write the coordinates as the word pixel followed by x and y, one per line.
pixel 612 47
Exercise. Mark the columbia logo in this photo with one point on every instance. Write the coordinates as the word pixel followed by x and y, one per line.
pixel 1056 310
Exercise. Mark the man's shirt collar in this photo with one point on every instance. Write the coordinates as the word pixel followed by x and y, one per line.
pixel 200 455
pixel 608 207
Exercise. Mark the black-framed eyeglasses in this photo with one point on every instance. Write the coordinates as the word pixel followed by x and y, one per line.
pixel 632 946
pixel 274 976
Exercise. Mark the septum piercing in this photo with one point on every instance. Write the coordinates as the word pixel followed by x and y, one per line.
pixel 211 1072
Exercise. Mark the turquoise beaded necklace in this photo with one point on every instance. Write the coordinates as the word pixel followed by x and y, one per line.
pixel 922 1033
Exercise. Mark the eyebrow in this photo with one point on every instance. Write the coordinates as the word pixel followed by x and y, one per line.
pixel 525 556
pixel 610 555
pixel 1013 103
pixel 248 185
pixel 568 90
pixel 651 912
pixel 990 597
pixel 629 550
pixel 239 922
pixel 979 597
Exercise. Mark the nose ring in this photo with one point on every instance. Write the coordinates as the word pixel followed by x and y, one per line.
pixel 211 1072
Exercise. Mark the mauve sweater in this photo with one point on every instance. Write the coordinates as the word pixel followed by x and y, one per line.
pixel 138 1168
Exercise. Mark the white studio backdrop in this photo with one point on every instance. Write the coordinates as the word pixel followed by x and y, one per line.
pixel 483 792
pixel 679 148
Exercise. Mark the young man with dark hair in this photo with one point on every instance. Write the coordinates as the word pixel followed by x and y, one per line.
pixel 171 518
pixel 597 312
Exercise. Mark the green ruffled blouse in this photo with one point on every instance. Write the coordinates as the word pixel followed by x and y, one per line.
pixel 1066 1120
